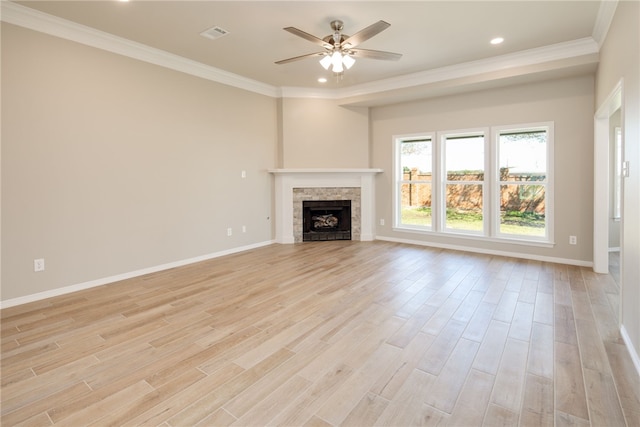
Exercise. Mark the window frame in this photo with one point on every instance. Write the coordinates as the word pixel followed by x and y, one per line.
pixel 496 131
pixel 443 181
pixel 491 185
pixel 398 181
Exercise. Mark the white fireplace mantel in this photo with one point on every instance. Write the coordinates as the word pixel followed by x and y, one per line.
pixel 288 179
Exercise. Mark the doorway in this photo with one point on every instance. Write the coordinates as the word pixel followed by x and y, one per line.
pixel 602 182
pixel 608 185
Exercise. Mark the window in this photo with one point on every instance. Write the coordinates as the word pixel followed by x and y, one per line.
pixel 463 182
pixel 522 182
pixel 489 183
pixel 415 184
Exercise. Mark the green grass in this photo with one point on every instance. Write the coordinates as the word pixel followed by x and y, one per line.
pixel 516 223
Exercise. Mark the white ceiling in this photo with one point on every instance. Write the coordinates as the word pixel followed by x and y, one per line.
pixel 431 35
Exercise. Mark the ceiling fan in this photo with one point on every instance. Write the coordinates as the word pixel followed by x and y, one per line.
pixel 340 49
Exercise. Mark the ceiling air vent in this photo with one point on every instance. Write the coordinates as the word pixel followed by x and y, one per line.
pixel 214 33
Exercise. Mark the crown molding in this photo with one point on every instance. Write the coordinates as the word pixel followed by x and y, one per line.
pixel 603 20
pixel 42 22
pixel 310 93
pixel 38 21
pixel 556 52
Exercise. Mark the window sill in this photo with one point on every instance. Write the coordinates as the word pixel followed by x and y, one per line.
pixel 513 241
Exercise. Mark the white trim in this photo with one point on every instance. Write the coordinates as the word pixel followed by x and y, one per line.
pixel 38 21
pixel 603 20
pixel 549 182
pixel 555 52
pixel 441 180
pixel 398 174
pixel 311 171
pixel 491 185
pixel 515 240
pixel 288 179
pixel 124 276
pixel 58 27
pixel 601 177
pixel 632 352
pixel 509 254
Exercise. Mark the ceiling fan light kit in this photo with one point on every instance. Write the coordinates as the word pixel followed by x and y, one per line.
pixel 336 61
pixel 339 48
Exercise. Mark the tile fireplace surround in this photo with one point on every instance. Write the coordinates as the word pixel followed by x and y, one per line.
pixel 323 184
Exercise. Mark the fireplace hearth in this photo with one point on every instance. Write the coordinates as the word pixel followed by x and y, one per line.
pixel 326 220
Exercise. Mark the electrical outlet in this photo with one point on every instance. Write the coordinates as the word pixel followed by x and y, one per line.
pixel 381 221
pixel 244 228
pixel 243 174
pixel 38 264
pixel 229 231
pixel 573 240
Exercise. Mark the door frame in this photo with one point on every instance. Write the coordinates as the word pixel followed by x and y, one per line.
pixel 601 184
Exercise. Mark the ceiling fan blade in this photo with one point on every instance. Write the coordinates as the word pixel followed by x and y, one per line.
pixel 375 54
pixel 297 58
pixel 307 36
pixel 365 34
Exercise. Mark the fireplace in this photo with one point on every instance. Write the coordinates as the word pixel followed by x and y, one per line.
pixel 326 220
pixel 292 186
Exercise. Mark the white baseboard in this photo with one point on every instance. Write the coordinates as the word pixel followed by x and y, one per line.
pixel 111 279
pixel 630 348
pixel 489 251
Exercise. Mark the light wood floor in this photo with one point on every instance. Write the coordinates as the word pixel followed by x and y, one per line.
pixel 329 333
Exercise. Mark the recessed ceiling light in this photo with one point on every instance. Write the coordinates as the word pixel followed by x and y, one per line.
pixel 497 40
pixel 322 80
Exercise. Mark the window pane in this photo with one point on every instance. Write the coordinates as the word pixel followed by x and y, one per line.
pixel 464 154
pixel 523 154
pixel 415 208
pixel 522 209
pixel 464 207
pixel 415 159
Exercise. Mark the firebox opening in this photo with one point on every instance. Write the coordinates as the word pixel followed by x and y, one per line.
pixel 326 220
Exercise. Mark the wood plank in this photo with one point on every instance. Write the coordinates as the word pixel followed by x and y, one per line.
pixel 263 411
pixel 474 399
pixel 537 406
pixel 311 399
pixel 395 374
pixel 604 405
pixel 509 385
pixel 367 411
pixel 437 354
pixel 491 349
pixel 541 351
pixel 335 333
pixel 402 410
pixel 349 394
pixel 444 391
pixel 522 322
pixel 569 384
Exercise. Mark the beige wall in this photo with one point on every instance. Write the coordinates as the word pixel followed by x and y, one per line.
pixel 319 133
pixel 620 59
pixel 112 165
pixel 567 102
